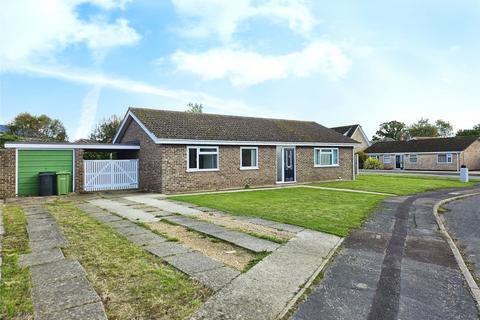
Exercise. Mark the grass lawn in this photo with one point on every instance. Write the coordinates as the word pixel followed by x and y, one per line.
pixel 132 283
pixel 328 211
pixel 16 283
pixel 397 184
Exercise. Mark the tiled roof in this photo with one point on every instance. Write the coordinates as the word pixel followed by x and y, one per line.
pixel 423 145
pixel 201 126
pixel 346 130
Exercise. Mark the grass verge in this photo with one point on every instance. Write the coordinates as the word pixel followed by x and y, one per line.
pixel 397 184
pixel 328 211
pixel 16 284
pixel 132 283
pixel 258 257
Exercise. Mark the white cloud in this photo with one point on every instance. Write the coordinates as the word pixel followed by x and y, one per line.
pixel 33 29
pixel 244 67
pixel 222 18
pixel 215 104
pixel 89 110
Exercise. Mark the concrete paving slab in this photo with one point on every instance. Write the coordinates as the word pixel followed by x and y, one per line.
pixel 166 249
pixel 124 210
pixel 265 290
pixel 56 271
pixel 216 279
pixel 120 224
pixel 165 205
pixel 134 230
pixel 56 296
pixel 41 257
pixel 91 311
pixel 184 221
pixel 46 235
pixel 146 239
pixel 107 217
pixel 193 262
pixel 48 244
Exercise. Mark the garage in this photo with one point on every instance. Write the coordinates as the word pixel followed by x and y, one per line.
pixel 32 162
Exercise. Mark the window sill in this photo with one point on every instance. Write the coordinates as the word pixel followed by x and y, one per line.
pixel 202 170
pixel 248 168
pixel 326 166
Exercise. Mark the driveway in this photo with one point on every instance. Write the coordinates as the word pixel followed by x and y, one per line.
pixel 463 223
pixel 396 267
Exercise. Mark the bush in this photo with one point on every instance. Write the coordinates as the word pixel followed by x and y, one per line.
pixel 372 163
pixel 362 156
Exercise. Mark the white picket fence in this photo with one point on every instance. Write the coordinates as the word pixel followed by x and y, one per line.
pixel 110 174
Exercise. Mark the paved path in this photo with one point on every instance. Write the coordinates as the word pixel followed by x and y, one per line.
pixel 396 267
pixel 125 211
pixel 211 273
pixel 60 288
pixel 265 290
pixel 463 223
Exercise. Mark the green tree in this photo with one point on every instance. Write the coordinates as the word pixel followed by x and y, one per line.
pixel 41 127
pixel 394 130
pixel 444 128
pixel 106 130
pixel 194 107
pixel 423 128
pixel 6 136
pixel 474 132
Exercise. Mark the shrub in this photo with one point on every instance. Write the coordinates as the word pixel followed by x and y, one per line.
pixel 362 156
pixel 372 163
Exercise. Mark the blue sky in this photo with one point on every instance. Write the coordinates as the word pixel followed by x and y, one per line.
pixel 334 62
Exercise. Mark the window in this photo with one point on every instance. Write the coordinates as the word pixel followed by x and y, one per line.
pixel 412 158
pixel 202 158
pixel 325 157
pixel 445 158
pixel 386 158
pixel 248 158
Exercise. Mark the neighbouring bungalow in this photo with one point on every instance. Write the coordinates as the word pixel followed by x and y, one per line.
pixel 355 132
pixel 442 154
pixel 182 151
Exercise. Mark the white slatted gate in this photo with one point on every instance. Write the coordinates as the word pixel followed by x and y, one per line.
pixel 111 174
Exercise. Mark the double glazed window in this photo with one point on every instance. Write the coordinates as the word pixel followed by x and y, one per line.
pixel 445 158
pixel 248 158
pixel 413 158
pixel 386 158
pixel 202 158
pixel 325 157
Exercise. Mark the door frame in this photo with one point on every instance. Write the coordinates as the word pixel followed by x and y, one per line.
pixel 294 164
pixel 401 162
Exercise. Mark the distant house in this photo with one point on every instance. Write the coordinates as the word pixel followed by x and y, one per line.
pixel 356 133
pixel 445 154
pixel 3 128
pixel 182 151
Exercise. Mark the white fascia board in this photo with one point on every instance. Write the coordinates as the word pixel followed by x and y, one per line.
pixel 252 143
pixel 55 146
pixel 124 122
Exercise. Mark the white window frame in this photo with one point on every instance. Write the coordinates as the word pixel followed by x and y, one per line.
pixel 320 155
pixel 256 158
pixel 447 157
pixel 410 158
pixel 197 169
pixel 387 156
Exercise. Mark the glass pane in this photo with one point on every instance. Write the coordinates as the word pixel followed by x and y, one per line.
pixel 442 158
pixel 253 157
pixel 192 158
pixel 335 157
pixel 247 158
pixel 208 149
pixel 317 157
pixel 207 161
pixel 326 158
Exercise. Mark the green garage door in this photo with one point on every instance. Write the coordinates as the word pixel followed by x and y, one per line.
pixel 31 162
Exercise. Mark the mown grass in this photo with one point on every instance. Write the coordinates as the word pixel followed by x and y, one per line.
pixel 397 184
pixel 16 283
pixel 328 211
pixel 132 283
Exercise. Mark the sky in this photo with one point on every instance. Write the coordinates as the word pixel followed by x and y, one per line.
pixel 334 62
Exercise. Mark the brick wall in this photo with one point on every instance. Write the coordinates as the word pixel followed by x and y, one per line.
pixel 358 136
pixel 306 171
pixel 149 157
pixel 79 170
pixel 429 162
pixel 471 156
pixel 7 173
pixel 177 179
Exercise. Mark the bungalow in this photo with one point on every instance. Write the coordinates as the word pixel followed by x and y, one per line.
pixel 445 154
pixel 181 151
pixel 355 131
